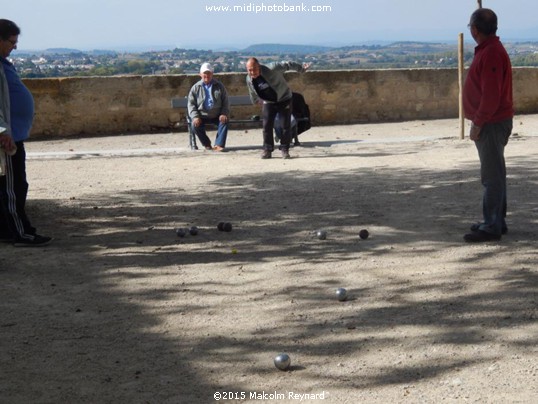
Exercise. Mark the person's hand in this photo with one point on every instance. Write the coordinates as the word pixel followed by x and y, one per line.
pixel 223 119
pixel 7 143
pixel 197 122
pixel 475 132
pixel 3 141
pixel 306 66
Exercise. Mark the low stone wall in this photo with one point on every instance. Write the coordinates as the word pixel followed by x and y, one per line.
pixel 141 104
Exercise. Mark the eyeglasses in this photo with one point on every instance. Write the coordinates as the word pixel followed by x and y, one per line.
pixel 12 42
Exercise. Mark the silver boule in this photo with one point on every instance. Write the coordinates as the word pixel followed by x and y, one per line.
pixel 341 294
pixel 282 361
pixel 321 234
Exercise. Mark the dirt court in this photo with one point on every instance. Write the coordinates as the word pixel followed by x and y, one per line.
pixel 119 309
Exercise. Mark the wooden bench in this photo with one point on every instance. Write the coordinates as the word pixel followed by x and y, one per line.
pixel 234 100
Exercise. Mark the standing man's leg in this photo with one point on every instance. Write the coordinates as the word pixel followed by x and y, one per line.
pixel 269 112
pixel 13 193
pixel 20 186
pixel 490 146
pixel 7 230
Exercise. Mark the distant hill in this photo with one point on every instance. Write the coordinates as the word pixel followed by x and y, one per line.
pixel 61 51
pixel 275 49
pixel 102 52
pixel 67 51
pixel 284 48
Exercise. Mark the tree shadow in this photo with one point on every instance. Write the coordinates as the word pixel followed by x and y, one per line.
pixel 81 314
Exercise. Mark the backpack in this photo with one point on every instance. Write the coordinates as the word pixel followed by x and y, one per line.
pixel 301 111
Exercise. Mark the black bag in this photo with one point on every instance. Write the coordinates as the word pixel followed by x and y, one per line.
pixel 301 112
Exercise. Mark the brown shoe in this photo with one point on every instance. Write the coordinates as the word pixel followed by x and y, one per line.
pixel 285 154
pixel 218 148
pixel 266 154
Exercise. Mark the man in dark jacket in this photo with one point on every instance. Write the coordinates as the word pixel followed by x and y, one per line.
pixel 267 85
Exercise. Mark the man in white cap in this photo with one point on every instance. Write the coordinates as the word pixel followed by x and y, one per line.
pixel 208 103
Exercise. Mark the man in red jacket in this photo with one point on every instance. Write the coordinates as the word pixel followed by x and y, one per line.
pixel 487 102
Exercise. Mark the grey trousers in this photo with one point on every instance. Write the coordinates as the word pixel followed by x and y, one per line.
pixel 490 146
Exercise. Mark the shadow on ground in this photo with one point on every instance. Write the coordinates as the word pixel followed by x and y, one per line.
pixel 75 323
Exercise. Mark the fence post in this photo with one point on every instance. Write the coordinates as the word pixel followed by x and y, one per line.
pixel 460 81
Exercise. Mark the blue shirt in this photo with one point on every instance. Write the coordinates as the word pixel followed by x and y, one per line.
pixel 208 100
pixel 21 103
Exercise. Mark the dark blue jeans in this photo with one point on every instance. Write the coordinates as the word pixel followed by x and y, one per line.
pixel 222 132
pixel 490 146
pixel 269 112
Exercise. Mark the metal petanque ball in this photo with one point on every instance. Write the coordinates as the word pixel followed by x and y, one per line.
pixel 363 234
pixel 193 230
pixel 227 227
pixel 341 294
pixel 181 232
pixel 220 226
pixel 282 361
pixel 321 234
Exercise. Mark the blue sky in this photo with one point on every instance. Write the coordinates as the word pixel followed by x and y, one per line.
pixel 116 24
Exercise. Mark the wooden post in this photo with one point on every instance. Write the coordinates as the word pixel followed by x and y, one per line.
pixel 460 81
pixel 460 78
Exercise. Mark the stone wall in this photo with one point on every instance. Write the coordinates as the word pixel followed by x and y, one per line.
pixel 141 104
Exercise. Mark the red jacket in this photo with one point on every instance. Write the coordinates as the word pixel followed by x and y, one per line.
pixel 487 94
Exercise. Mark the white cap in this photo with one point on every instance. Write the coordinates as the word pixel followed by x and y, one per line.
pixel 206 67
